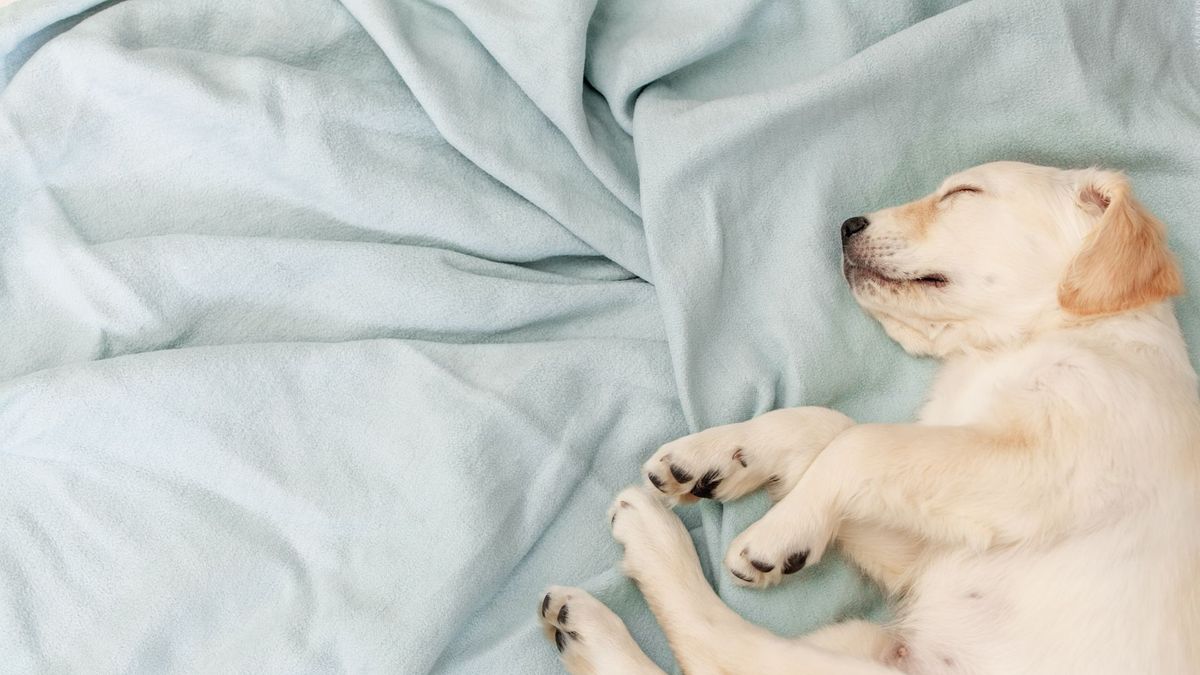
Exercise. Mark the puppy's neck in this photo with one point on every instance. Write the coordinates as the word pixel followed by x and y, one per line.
pixel 1151 325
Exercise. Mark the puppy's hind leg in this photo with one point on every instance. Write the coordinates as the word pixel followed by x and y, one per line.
pixel 858 638
pixel 705 635
pixel 590 638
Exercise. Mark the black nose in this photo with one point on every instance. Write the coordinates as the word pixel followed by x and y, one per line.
pixel 853 226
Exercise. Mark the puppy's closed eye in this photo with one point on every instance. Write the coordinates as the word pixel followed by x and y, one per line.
pixel 959 190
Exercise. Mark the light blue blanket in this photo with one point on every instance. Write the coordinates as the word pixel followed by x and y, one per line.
pixel 330 330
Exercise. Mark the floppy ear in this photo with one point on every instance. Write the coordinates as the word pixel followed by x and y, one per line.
pixel 1124 262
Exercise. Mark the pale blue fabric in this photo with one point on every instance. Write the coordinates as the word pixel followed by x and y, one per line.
pixel 330 330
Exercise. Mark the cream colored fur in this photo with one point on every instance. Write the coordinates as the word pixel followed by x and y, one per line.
pixel 1041 516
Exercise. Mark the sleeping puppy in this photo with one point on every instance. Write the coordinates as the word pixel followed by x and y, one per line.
pixel 1042 515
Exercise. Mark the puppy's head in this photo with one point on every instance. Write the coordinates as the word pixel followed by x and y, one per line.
pixel 1004 250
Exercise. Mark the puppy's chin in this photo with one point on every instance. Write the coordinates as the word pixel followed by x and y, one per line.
pixel 860 279
pixel 909 336
pixel 891 303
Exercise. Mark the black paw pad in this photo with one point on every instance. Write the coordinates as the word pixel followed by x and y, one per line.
pixel 656 481
pixel 761 566
pixel 562 616
pixel 795 562
pixel 741 576
pixel 545 604
pixel 680 475
pixel 707 483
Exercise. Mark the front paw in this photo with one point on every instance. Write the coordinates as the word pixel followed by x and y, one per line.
pixel 712 464
pixel 772 450
pixel 779 544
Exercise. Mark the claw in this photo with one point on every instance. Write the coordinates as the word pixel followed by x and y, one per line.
pixel 680 475
pixel 761 566
pixel 656 481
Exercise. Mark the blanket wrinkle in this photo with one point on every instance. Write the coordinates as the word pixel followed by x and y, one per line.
pixel 610 227
pixel 549 71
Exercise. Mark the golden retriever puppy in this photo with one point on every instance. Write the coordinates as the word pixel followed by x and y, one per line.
pixel 1041 516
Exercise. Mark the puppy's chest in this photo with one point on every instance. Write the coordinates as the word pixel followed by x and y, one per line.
pixel 969 391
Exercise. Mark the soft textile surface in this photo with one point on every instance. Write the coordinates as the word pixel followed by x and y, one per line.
pixel 329 330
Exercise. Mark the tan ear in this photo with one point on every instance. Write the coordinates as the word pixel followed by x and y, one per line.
pixel 1124 262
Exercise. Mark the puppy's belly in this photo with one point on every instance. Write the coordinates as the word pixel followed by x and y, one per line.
pixel 1096 605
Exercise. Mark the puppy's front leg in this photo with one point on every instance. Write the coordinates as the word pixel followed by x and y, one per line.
pixel 726 462
pixel 963 485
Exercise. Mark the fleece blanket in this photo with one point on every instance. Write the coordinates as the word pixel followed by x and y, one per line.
pixel 330 329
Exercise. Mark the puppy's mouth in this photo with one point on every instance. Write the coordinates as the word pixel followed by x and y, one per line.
pixel 857 273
